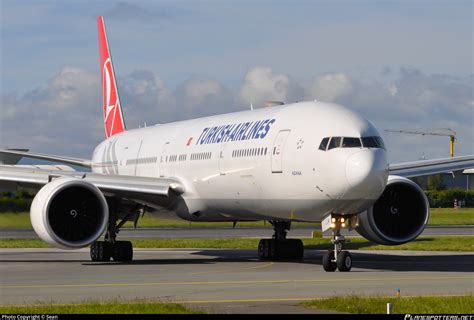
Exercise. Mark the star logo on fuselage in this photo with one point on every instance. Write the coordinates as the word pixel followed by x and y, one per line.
pixel 299 143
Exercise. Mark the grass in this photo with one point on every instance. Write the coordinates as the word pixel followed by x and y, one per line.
pixel 402 305
pixel 439 243
pixel 439 216
pixel 16 221
pixel 449 216
pixel 113 307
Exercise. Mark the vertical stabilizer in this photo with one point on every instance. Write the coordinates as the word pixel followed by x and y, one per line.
pixel 113 118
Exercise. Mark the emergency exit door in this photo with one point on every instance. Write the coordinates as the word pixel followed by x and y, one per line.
pixel 277 151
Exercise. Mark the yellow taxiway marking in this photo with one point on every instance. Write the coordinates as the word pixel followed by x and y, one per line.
pixel 234 270
pixel 148 284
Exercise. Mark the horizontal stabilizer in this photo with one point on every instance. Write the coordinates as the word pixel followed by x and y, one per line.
pixel 10 159
pixel 14 154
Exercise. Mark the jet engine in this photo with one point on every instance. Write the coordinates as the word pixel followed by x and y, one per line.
pixel 69 213
pixel 398 216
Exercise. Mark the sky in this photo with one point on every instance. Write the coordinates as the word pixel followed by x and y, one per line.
pixel 405 65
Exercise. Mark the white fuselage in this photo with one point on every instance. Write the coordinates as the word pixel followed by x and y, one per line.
pixel 259 164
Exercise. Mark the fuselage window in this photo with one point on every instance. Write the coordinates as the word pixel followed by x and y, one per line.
pixel 334 143
pixel 324 144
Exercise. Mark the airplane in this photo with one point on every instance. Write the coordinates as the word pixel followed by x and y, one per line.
pixel 306 161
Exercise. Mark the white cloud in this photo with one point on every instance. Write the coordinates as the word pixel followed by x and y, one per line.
pixel 65 89
pixel 196 91
pixel 330 86
pixel 64 115
pixel 203 97
pixel 261 84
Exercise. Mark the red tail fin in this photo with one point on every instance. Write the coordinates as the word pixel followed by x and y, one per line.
pixel 113 118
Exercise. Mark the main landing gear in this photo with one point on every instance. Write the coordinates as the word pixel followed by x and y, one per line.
pixel 279 247
pixel 111 248
pixel 337 258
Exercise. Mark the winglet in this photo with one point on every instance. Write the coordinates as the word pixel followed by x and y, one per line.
pixel 113 118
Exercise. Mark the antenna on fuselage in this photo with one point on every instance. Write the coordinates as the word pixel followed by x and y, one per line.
pixel 251 106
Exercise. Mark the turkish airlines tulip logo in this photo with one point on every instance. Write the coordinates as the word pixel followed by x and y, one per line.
pixel 110 96
pixel 111 101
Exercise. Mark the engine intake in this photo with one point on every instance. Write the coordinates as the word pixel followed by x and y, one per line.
pixel 398 216
pixel 69 213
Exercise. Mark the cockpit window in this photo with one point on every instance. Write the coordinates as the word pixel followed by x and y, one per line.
pixel 329 143
pixel 380 141
pixel 334 143
pixel 373 142
pixel 348 142
pixel 324 144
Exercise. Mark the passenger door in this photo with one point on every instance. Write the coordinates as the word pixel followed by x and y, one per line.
pixel 277 151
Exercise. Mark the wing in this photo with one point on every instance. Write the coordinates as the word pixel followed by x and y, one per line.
pixel 60 159
pixel 141 189
pixel 428 167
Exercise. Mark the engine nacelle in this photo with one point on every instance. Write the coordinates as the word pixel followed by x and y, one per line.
pixel 69 213
pixel 398 216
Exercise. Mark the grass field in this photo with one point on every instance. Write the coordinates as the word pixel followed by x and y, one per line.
pixel 114 307
pixel 12 221
pixel 402 305
pixel 439 243
pixel 439 216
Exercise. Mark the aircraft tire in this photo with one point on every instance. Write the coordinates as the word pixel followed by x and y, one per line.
pixel 100 251
pixel 328 264
pixel 344 261
pixel 122 251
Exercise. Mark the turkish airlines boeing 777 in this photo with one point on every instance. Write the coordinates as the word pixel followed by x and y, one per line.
pixel 306 161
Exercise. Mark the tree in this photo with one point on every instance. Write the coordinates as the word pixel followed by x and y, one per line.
pixel 435 182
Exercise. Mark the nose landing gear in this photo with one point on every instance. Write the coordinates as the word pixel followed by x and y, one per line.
pixel 338 258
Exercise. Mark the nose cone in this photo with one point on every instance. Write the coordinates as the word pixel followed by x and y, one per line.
pixel 367 173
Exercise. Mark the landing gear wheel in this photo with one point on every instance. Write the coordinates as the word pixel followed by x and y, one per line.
pixel 264 249
pixel 297 249
pixel 291 249
pixel 344 261
pixel 279 247
pixel 122 251
pixel 328 261
pixel 100 251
